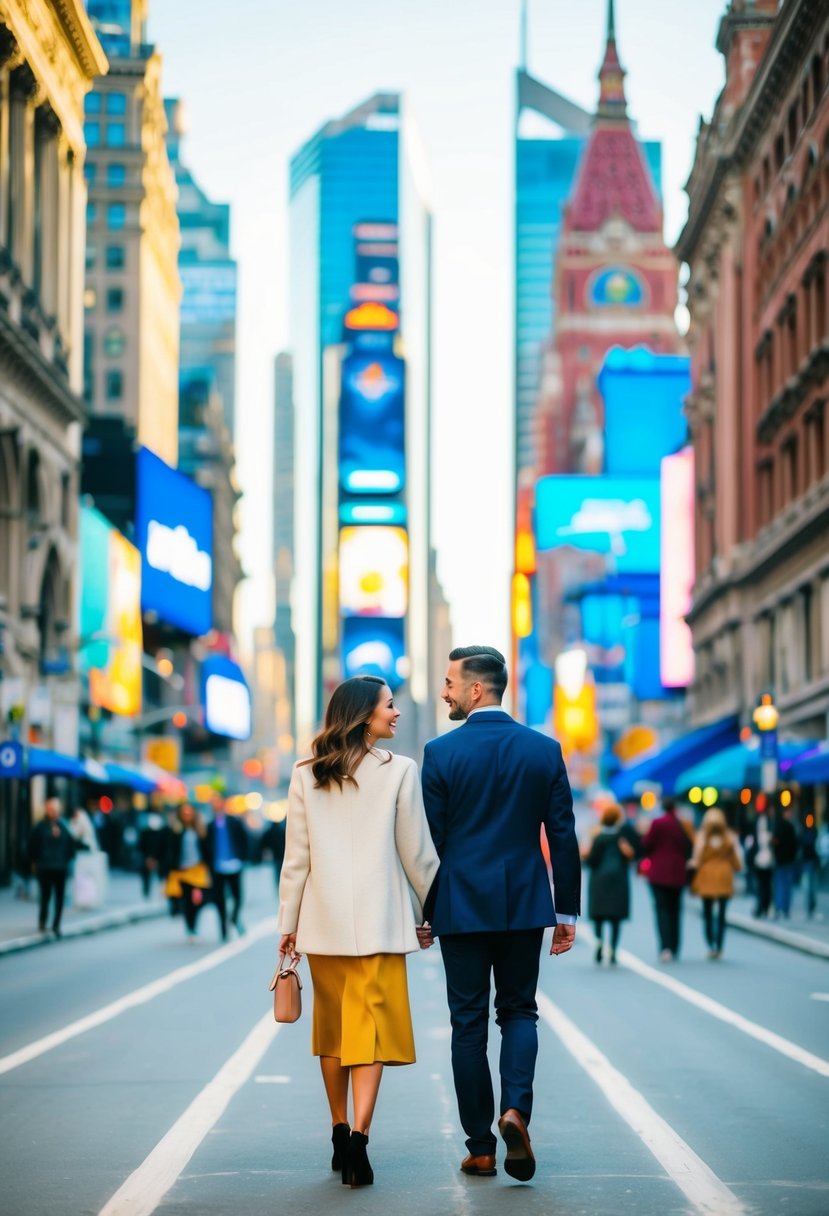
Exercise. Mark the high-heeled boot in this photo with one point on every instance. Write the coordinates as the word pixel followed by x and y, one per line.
pixel 339 1138
pixel 358 1171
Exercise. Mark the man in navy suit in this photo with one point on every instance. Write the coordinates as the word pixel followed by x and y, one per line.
pixel 488 789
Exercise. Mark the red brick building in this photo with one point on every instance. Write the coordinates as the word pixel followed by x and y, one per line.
pixel 756 245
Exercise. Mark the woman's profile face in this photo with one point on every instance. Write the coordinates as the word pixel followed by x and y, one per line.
pixel 383 721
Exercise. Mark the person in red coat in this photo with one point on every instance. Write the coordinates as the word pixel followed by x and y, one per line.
pixel 667 845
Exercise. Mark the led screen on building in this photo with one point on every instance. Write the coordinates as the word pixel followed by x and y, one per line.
pixel 374 646
pixel 677 570
pixel 643 399
pixel 374 571
pixel 226 698
pixel 617 516
pixel 174 533
pixel 111 628
pixel 372 453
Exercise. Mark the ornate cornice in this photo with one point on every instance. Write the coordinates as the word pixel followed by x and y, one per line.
pixel 32 371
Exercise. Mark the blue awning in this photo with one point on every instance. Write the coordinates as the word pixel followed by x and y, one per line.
pixel 119 774
pixel 813 769
pixel 42 761
pixel 663 768
pixel 739 767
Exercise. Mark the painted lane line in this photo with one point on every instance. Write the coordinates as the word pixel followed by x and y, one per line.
pixel 707 1194
pixel 139 997
pixel 777 1043
pixel 145 1188
pixel 278 1079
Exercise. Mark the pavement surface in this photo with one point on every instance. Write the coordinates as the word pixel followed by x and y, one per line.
pixel 142 1073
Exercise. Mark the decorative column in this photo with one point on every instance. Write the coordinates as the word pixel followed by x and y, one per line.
pixel 23 88
pixel 47 131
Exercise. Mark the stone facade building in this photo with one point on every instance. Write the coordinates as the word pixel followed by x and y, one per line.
pixel 756 243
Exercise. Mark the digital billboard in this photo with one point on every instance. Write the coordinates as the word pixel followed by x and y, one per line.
pixel 677 571
pixel 617 516
pixel 375 646
pixel 111 628
pixel 372 454
pixel 226 698
pixel 643 399
pixel 374 571
pixel 174 533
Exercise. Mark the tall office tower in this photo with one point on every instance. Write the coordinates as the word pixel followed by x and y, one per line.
pixel 132 282
pixel 207 376
pixel 283 545
pixel 362 173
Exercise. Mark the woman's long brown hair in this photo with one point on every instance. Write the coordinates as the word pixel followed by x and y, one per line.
pixel 340 746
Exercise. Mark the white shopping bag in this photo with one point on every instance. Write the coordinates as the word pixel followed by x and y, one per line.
pixel 89 887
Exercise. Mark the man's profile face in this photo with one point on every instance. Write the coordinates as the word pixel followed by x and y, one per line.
pixel 51 808
pixel 456 692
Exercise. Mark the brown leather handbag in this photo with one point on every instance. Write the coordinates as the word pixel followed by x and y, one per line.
pixel 286 987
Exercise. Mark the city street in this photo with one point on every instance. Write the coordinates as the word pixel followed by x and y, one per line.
pixel 142 1073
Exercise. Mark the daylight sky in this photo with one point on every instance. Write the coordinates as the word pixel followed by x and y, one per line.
pixel 260 76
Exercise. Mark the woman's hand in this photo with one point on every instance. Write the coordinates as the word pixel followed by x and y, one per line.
pixel 424 935
pixel 287 944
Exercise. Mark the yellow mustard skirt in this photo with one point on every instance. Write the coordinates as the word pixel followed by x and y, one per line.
pixel 361 1009
pixel 194 876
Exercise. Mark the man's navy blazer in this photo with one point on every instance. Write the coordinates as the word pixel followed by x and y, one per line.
pixel 488 787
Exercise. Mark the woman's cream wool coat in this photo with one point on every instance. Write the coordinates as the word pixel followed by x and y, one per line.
pixel 359 861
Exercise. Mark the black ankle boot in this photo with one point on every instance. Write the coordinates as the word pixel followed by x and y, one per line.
pixel 339 1138
pixel 358 1171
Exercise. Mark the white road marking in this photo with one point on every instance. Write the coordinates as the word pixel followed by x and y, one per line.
pixel 276 1080
pixel 146 1187
pixel 708 1195
pixel 820 996
pixel 139 997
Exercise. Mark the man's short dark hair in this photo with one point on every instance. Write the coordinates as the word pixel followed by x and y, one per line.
pixel 485 663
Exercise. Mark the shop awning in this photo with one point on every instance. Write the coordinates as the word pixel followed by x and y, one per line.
pixel 44 762
pixel 812 769
pixel 120 774
pixel 739 767
pixel 663 768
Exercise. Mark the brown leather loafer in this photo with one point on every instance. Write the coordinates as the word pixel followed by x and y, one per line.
pixel 519 1162
pixel 482 1167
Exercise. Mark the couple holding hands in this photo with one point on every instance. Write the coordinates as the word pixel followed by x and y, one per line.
pixel 374 867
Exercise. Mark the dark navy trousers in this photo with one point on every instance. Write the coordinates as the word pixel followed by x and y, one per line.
pixel 472 961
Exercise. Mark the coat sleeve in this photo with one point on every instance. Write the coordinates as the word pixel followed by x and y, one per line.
pixel 560 826
pixel 434 798
pixel 297 864
pixel 415 849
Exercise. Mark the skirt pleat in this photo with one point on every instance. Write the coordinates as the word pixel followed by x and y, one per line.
pixel 361 1009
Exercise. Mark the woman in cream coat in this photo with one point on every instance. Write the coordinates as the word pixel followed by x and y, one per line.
pixel 359 862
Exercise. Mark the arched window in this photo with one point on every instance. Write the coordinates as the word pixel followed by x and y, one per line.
pixel 34 496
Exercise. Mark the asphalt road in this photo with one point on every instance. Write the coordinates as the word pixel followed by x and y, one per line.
pixel 140 1073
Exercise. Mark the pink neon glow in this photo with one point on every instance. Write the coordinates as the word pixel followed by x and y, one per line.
pixel 676 655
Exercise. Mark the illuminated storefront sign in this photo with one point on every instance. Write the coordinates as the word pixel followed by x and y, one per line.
pixel 372 424
pixel 618 516
pixel 374 571
pixel 174 531
pixel 676 653
pixel 375 647
pixel 110 615
pixel 226 698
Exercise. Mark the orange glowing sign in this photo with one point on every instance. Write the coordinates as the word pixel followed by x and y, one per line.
pixel 371 315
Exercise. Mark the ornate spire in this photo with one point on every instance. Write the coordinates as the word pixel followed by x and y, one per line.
pixel 612 102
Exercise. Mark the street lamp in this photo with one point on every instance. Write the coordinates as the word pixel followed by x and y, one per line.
pixel 766 717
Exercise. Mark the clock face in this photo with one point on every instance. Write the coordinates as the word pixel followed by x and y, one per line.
pixel 615 287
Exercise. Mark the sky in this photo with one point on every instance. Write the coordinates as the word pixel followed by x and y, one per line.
pixel 259 77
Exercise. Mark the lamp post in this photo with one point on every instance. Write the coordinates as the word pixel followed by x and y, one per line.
pixel 766 717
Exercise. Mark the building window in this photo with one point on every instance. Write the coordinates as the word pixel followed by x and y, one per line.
pixel 114 343
pixel 65 498
pixel 92 134
pixel 817 80
pixel 91 256
pixel 92 103
pixel 89 172
pixel 765 492
pixel 816 442
pixel 116 174
pixel 116 134
pixel 90 299
pixel 779 152
pixel 116 216
pixel 91 214
pixel 88 351
pixel 115 299
pixel 820 301
pixel 790 479
pixel 114 385
pixel 808 648
pixel 792 125
pixel 116 103
pixel 115 257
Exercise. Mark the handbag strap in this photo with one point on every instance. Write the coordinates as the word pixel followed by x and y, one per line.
pixel 291 968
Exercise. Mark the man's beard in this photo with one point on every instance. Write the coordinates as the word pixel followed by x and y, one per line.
pixel 457 713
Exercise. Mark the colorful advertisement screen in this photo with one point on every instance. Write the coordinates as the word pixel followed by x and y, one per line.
pixel 617 516
pixel 643 398
pixel 374 571
pixel 110 615
pixel 226 698
pixel 374 646
pixel 677 573
pixel 372 455
pixel 174 532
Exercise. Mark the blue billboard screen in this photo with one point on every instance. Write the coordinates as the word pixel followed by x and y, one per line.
pixel 643 398
pixel 374 646
pixel 372 424
pixel 618 516
pixel 174 533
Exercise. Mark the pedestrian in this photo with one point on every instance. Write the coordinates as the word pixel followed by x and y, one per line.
pixel 785 849
pixel 151 846
pixel 188 876
pixel 667 846
pixel 716 858
pixel 273 842
pixel 82 830
pixel 809 865
pixel 359 863
pixel 761 863
pixel 52 849
pixel 227 846
pixel 608 859
pixel 489 787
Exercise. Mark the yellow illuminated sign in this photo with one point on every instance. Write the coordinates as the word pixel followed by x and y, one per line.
pixel 371 315
pixel 117 687
pixel 374 571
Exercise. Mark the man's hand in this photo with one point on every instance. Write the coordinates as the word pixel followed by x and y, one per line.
pixel 424 935
pixel 563 938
